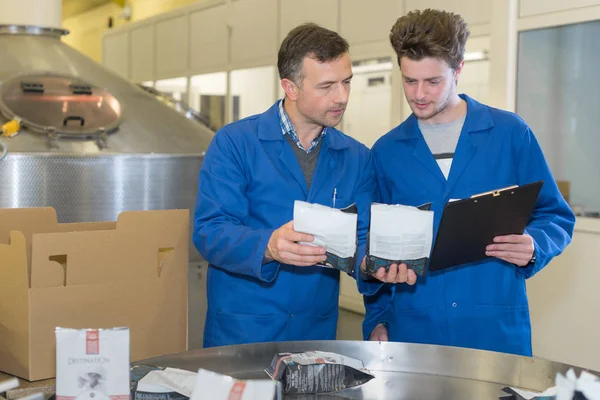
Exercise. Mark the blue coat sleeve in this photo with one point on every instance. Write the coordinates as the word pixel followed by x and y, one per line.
pixel 367 285
pixel 221 234
pixel 364 195
pixel 552 221
pixel 377 295
pixel 379 309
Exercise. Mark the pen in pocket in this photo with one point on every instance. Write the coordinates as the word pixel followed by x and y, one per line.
pixel 333 197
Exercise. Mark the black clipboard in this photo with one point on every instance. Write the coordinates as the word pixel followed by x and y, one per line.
pixel 469 225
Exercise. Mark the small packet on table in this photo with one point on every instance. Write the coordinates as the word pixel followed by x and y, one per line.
pixel 333 229
pixel 399 234
pixel 158 383
pixel 213 386
pixel 315 372
pixel 92 364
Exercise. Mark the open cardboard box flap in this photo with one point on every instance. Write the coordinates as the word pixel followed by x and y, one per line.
pixel 90 275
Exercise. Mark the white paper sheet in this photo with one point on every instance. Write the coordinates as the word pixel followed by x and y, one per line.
pixel 587 384
pixel 332 229
pixel 169 380
pixel 565 387
pixel 400 232
pixel 213 386
pixel 9 384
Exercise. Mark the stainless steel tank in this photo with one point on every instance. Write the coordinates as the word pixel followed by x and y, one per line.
pixel 93 144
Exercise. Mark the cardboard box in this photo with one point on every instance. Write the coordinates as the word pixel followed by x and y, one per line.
pixel 132 272
pixel 565 189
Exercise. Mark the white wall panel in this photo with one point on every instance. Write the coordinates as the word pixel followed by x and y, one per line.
pixel 559 18
pixel 536 7
pixel 142 54
pixel 171 46
pixel 321 12
pixel 116 53
pixel 368 21
pixel 254 35
pixel 208 37
pixel 565 302
pixel 473 11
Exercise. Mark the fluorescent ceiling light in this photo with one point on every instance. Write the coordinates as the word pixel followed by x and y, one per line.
pixel 476 56
pixel 362 69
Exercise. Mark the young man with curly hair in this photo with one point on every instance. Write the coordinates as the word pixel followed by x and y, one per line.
pixel 452 147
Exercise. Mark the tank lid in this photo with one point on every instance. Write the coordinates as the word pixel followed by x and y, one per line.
pixel 32 30
pixel 60 106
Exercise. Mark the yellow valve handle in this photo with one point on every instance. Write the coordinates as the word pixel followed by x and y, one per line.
pixel 11 128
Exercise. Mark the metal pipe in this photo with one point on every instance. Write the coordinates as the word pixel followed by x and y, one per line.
pixel 4 150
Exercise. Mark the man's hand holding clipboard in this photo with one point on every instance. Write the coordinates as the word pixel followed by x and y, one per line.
pixel 490 224
pixel 515 249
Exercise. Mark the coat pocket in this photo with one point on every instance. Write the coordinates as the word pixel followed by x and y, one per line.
pixel 501 327
pixel 232 328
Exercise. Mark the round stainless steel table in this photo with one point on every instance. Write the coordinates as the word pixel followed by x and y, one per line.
pixel 402 370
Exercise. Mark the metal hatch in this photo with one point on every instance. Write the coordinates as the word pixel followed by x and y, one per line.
pixel 60 106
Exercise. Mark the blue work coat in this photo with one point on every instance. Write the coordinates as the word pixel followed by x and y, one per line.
pixel 248 183
pixel 480 305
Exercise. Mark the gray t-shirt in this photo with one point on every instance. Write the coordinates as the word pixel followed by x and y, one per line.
pixel 442 140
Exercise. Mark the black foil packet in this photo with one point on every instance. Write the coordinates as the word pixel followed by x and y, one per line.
pixel 137 372
pixel 343 264
pixel 316 372
pixel 373 263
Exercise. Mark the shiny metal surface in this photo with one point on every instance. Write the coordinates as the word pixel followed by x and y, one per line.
pixel 148 126
pixel 60 104
pixel 150 162
pixel 32 30
pixel 402 370
pixel 99 187
pixel 178 105
pixel 3 150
